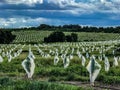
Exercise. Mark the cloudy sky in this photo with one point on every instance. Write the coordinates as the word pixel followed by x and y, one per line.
pixel 22 13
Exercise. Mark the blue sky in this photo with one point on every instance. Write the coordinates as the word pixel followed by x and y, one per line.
pixel 27 13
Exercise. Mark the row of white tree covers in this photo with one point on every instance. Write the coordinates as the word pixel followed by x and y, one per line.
pixel 8 51
pixel 65 52
pixel 38 36
pixel 30 36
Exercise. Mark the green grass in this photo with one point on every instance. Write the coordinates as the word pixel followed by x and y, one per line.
pixel 8 84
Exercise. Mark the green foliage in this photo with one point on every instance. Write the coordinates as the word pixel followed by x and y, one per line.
pixel 60 37
pixel 53 78
pixel 58 72
pixel 55 37
pixel 68 38
pixel 71 28
pixel 37 85
pixel 108 79
pixel 72 38
pixel 6 37
pixel 5 81
pixel 44 26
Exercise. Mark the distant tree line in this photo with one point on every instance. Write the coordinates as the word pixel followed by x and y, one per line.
pixel 59 36
pixel 78 28
pixel 6 37
pixel 73 28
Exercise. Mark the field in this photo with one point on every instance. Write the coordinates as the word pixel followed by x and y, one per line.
pixel 38 36
pixel 51 75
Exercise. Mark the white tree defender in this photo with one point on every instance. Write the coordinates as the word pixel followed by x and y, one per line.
pixel 15 55
pixel 83 60
pixel 113 52
pixel 3 54
pixel 93 68
pixel 63 57
pixel 56 60
pixel 100 57
pixel 71 56
pixel 115 63
pixel 79 55
pixel 87 55
pixel 10 58
pixel 29 66
pixel 66 61
pixel 0 50
pixel 73 50
pixel 118 58
pixel 107 64
pixel 31 54
pixel 1 59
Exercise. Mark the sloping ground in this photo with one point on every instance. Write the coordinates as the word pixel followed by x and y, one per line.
pixel 38 36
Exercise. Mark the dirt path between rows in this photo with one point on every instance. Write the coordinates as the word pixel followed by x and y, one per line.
pixel 98 86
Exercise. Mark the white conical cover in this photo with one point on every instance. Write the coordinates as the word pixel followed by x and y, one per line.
pixel 66 62
pixel 83 50
pixel 107 65
pixel 63 56
pixel 71 56
pixel 56 60
pixel 119 58
pixel 113 52
pixel 93 68
pixel 87 55
pixel 15 55
pixel 83 61
pixel 31 55
pixel 115 63
pixel 3 54
pixel 29 66
pixel 100 58
pixel 0 50
pixel 1 59
pixel 9 58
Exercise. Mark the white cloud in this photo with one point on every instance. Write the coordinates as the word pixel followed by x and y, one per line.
pixel 63 3
pixel 103 1
pixel 19 22
pixel 112 6
pixel 27 2
pixel 28 22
